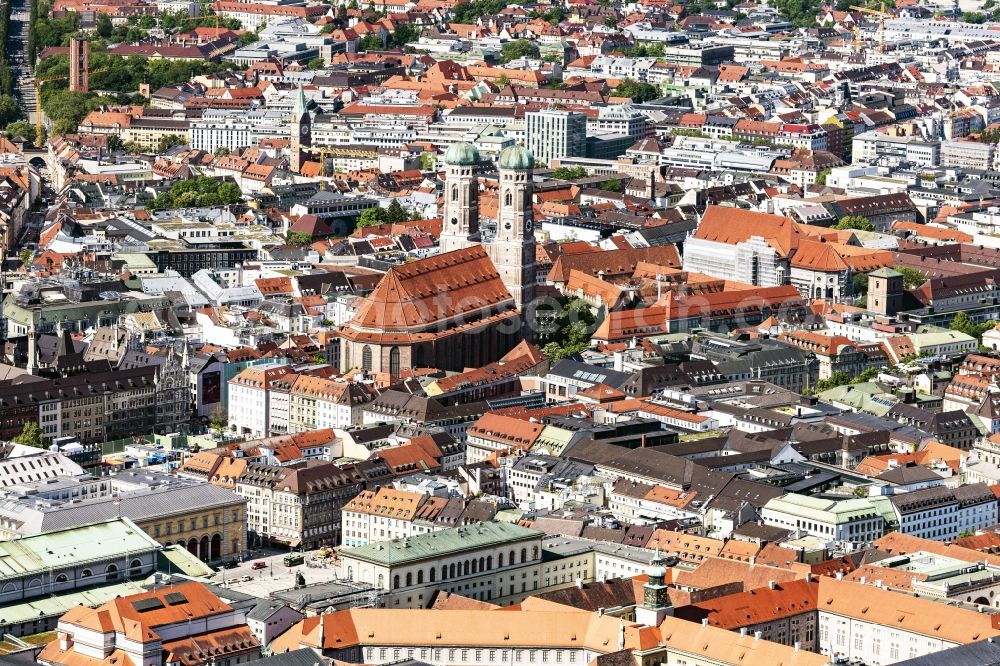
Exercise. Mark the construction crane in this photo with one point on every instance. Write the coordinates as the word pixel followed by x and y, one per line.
pixel 882 16
pixel 38 98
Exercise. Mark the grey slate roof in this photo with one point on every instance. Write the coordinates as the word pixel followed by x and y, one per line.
pixel 980 653
pixel 138 506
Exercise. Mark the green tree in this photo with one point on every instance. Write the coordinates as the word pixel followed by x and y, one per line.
pixel 855 222
pixel 316 63
pixel 395 213
pixel 519 48
pixel 822 176
pixel 963 324
pixel 860 283
pixel 31 435
pixel 341 14
pixel 371 43
pixel 115 143
pixel 569 173
pixel 297 238
pixel 372 217
pixel 26 255
pixel 228 193
pixel 427 161
pixel 19 128
pixel 169 141
pixel 612 186
pixel 973 17
pixel 218 419
pixel 9 110
pixel 637 91
pixel 839 378
pixel 103 27
pixel 568 330
pixel 404 35
pixel 865 376
pixel 132 147
pixel 221 151
pixel 248 38
pixel 469 12
pixel 912 278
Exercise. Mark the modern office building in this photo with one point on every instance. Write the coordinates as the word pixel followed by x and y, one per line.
pixel 555 134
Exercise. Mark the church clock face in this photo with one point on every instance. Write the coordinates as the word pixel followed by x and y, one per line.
pixel 304 131
pixel 528 226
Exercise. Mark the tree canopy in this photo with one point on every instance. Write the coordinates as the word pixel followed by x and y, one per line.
pixel 569 173
pixel 568 331
pixel 519 48
pixel 31 435
pixel 372 217
pixel 201 191
pixel 912 278
pixel 637 91
pixel 395 213
pixel 855 222
pixel 963 324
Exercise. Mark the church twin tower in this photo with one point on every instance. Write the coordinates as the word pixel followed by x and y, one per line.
pixel 512 249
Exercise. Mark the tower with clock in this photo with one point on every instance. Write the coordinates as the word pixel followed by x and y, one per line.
pixel 513 246
pixel 301 135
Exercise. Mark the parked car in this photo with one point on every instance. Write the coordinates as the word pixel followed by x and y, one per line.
pixel 259 564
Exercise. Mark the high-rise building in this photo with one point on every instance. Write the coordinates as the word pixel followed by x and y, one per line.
pixel 555 134
pixel 79 64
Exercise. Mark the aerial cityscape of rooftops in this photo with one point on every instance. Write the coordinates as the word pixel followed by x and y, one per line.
pixel 467 333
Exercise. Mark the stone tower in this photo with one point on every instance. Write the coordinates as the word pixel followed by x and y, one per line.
pixel 79 64
pixel 460 227
pixel 301 131
pixel 513 248
pixel 885 291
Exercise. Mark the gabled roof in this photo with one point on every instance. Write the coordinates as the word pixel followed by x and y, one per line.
pixel 735 225
pixel 425 294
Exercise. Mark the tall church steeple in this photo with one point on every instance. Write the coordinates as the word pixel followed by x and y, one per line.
pixel 460 227
pixel 301 131
pixel 513 248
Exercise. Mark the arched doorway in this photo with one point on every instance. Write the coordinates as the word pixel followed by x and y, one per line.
pixel 112 573
pixel 216 549
pixel 193 546
pixel 203 550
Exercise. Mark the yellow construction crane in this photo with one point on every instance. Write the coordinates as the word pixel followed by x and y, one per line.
pixel 882 16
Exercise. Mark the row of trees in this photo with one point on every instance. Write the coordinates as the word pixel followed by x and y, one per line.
pixel 45 31
pixel 6 77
